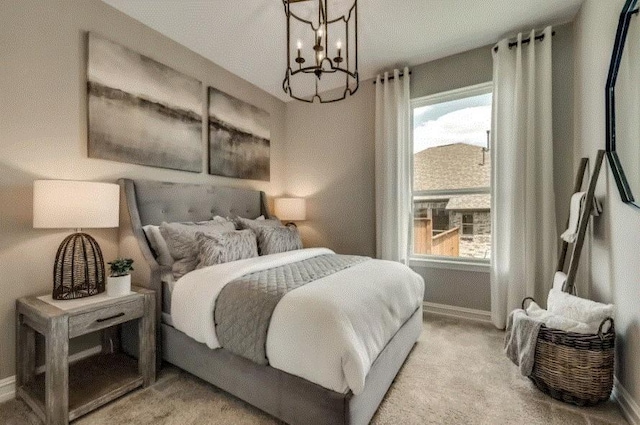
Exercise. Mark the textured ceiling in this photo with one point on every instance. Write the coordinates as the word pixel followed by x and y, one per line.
pixel 248 37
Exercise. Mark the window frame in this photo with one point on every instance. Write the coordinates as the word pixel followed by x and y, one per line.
pixel 439 261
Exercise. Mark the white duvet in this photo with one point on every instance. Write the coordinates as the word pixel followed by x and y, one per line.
pixel 329 331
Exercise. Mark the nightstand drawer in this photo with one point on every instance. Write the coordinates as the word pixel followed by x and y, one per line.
pixel 103 318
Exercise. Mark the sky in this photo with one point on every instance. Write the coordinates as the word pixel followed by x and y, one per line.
pixel 458 121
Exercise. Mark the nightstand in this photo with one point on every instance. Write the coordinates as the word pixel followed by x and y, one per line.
pixel 66 391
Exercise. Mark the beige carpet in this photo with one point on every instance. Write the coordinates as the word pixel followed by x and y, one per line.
pixel 456 374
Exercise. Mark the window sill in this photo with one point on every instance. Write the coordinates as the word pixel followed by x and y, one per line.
pixel 450 264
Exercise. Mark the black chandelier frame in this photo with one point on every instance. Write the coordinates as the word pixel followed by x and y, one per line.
pixel 325 65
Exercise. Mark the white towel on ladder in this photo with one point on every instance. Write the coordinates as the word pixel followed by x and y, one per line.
pixel 571 233
pixel 575 212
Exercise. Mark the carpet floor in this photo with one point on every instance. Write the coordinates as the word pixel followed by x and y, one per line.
pixel 456 374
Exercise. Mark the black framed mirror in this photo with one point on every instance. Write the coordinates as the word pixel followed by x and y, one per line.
pixel 623 105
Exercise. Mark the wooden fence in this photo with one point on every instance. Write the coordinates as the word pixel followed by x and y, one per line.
pixel 422 235
pixel 446 243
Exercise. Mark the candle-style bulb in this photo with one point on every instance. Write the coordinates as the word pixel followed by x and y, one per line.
pixel 299 44
pixel 339 44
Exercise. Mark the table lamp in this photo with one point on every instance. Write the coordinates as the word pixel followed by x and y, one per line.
pixel 290 209
pixel 61 204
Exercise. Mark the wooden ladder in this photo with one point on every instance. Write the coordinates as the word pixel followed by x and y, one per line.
pixel 569 285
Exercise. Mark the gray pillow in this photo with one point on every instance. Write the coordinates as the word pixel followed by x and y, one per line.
pixel 272 240
pixel 245 223
pixel 181 240
pixel 225 247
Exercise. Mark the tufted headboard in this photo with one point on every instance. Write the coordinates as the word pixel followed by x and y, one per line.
pixel 145 202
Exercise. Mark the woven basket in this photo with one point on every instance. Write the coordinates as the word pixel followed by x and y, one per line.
pixel 572 367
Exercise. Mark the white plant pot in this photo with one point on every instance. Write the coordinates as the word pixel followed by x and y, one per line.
pixel 118 286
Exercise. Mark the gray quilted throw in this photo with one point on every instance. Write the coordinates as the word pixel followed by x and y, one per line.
pixel 244 306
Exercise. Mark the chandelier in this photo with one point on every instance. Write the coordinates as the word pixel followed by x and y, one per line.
pixel 322 49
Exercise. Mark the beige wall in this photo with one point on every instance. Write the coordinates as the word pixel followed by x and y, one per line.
pixel 43 130
pixel 612 266
pixel 453 72
pixel 330 161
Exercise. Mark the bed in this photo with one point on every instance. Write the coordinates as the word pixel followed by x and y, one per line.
pixel 288 397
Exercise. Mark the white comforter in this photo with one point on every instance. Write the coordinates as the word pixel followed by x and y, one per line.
pixel 328 331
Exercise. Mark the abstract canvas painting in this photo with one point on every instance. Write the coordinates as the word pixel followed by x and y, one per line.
pixel 239 138
pixel 141 111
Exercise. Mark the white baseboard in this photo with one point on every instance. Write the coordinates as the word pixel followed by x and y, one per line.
pixel 458 312
pixel 8 385
pixel 628 405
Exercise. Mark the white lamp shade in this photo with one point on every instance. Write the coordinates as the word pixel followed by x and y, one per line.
pixel 292 209
pixel 63 204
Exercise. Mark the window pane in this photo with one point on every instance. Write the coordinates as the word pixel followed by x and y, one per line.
pixel 452 174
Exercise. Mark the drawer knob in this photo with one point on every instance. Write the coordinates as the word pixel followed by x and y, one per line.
pixel 110 317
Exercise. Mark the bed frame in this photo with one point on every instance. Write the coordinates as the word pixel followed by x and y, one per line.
pixel 287 397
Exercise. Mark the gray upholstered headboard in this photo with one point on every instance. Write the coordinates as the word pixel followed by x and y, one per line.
pixel 171 202
pixel 145 202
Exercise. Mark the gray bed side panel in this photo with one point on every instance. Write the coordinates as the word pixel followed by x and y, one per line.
pixel 383 371
pixel 287 397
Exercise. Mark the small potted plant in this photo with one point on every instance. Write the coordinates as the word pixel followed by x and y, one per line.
pixel 119 280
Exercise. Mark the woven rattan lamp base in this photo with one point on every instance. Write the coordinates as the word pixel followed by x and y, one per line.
pixel 79 268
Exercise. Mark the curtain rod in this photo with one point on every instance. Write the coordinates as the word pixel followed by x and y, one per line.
pixel 526 40
pixel 391 78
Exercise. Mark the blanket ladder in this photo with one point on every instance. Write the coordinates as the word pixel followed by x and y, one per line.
pixel 569 285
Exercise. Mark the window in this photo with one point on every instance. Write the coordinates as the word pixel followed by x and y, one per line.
pixel 467 224
pixel 452 174
pixel 440 220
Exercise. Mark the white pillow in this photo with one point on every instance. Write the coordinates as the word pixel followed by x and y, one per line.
pixel 246 223
pixel 158 244
pixel 219 219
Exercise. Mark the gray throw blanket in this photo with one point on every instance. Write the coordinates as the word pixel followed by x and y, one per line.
pixel 244 307
pixel 520 340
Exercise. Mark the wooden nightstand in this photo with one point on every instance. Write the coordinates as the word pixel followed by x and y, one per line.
pixel 65 392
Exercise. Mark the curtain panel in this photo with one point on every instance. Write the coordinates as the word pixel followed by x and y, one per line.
pixel 524 235
pixel 393 166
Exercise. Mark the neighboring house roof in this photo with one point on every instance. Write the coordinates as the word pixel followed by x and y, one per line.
pixel 470 202
pixel 456 166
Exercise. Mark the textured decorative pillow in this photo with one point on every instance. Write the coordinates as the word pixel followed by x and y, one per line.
pixel 181 240
pixel 226 247
pixel 158 244
pixel 245 223
pixel 272 240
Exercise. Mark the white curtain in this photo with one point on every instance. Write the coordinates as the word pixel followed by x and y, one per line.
pixel 393 166
pixel 524 235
